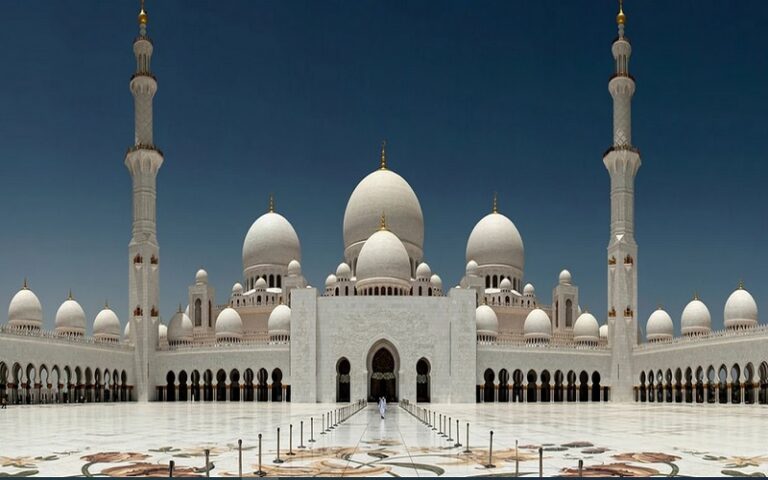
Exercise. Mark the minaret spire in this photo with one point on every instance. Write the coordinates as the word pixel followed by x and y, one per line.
pixel 495 208
pixel 383 160
pixel 271 203
pixel 622 161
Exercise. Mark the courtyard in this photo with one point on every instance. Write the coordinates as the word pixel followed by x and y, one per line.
pixel 610 439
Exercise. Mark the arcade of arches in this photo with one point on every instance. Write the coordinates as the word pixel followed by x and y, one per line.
pixel 223 386
pixel 532 386
pixel 712 384
pixel 43 384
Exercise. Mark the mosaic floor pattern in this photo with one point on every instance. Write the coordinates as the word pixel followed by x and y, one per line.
pixel 612 440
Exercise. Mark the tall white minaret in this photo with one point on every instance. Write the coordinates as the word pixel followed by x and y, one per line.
pixel 143 161
pixel 622 161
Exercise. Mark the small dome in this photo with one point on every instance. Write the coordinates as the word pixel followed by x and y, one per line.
pixel 180 329
pixel 659 326
pixel 279 323
pixel 106 326
pixel 471 268
pixel 330 281
pixel 696 319
pixel 201 277
pixel 261 284
pixel 70 318
pixel 423 271
pixel 25 310
pixel 505 284
pixel 294 268
pixel 436 281
pixel 383 257
pixel 162 332
pixel 537 326
pixel 271 240
pixel 343 271
pixel 586 329
pixel 528 290
pixel 603 331
pixel 229 325
pixel 237 289
pixel 565 278
pixel 486 320
pixel 740 309
pixel 496 241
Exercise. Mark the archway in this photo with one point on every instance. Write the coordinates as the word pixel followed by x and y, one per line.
pixel 699 385
pixel 3 381
pixel 503 385
pixel 571 389
pixel 583 386
pixel 170 387
pixel 488 388
pixel 517 386
pixel 195 386
pixel 422 380
pixel 234 385
pixel 531 381
pixel 596 387
pixel 688 385
pixel 559 377
pixel 183 392
pixel 642 396
pixel 762 395
pixel 722 385
pixel 735 384
pixel 343 386
pixel 382 368
pixel 208 386
pixel 277 385
pixel 749 375
pixel 545 387
pixel 262 391
pixel 248 376
pixel 221 386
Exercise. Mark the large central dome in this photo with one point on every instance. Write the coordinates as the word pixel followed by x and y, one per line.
pixel 383 191
pixel 496 241
pixel 271 240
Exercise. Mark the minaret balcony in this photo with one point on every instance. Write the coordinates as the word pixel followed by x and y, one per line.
pixel 143 74
pixel 620 148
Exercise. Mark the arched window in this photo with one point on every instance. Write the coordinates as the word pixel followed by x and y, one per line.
pixel 495 283
pixel 337 291
pixel 271 281
pixel 210 321
pixel 279 281
pixel 568 313
pixel 346 290
pixel 487 281
pixel 198 313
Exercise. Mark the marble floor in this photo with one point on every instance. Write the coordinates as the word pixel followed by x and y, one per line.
pixel 611 439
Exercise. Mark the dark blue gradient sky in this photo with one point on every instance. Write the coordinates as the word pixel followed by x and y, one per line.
pixel 293 97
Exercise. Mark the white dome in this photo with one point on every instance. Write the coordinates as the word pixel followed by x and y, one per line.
pixel 505 284
pixel 586 328
pixel 696 319
pixel 237 289
pixel 330 280
pixel 229 325
pixel 486 320
pixel 106 325
pixel 294 268
pixel 659 326
pixel 528 289
pixel 162 332
pixel 25 310
pixel 279 322
pixel 180 329
pixel 70 318
pixel 740 309
pixel 383 256
pixel 261 284
pixel 423 271
pixel 436 281
pixel 496 241
pixel 471 267
pixel 271 240
pixel 537 326
pixel 603 331
pixel 343 271
pixel 201 277
pixel 565 278
pixel 387 192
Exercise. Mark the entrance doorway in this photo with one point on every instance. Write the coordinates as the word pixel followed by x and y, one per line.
pixel 383 379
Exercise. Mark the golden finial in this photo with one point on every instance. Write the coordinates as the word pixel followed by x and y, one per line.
pixel 25 284
pixel 180 310
pixel 271 203
pixel 696 295
pixel 741 284
pixel 106 304
pixel 383 222
pixel 383 164
pixel 495 208
pixel 70 297
pixel 621 19
pixel 659 306
pixel 143 15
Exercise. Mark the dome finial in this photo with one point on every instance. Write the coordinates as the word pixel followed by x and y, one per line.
pixel 271 203
pixel 25 287
pixel 106 304
pixel 621 19
pixel 383 222
pixel 180 310
pixel 70 297
pixel 383 164
pixel 696 295
pixel 741 284
pixel 143 18
pixel 495 208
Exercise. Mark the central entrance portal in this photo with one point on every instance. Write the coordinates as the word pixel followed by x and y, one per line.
pixel 383 379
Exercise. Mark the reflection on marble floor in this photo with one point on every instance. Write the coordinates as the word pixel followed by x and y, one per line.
pixel 611 440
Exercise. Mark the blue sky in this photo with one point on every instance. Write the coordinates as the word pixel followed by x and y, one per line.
pixel 294 97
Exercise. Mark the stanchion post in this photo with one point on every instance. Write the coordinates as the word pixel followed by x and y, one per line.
pixel 581 467
pixel 458 435
pixel 490 453
pixel 207 463
pixel 240 458
pixel 517 461
pixel 450 437
pixel 541 462
pixel 278 459
pixel 467 445
pixel 311 430
pixel 322 432
pixel 260 472
pixel 301 435
pixel 290 441
pixel 170 468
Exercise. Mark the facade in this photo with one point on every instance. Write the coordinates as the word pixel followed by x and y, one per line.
pixel 383 324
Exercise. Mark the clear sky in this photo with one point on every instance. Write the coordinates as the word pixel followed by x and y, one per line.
pixel 294 97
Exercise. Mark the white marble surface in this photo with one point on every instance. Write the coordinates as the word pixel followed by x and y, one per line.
pixel 61 440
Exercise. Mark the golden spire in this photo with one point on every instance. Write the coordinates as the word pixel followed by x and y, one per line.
pixel 271 203
pixel 383 222
pixel 180 310
pixel 106 304
pixel 621 19
pixel 383 162
pixel 495 208
pixel 143 15
pixel 70 297
pixel 25 284
pixel 741 284
pixel 696 295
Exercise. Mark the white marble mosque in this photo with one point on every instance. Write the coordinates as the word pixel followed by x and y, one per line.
pixel 492 338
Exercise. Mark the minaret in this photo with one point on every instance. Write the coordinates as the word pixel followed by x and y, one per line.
pixel 622 161
pixel 143 161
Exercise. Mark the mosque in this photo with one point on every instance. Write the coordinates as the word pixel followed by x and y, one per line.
pixel 384 324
